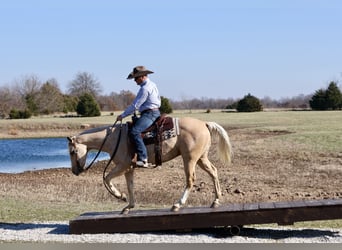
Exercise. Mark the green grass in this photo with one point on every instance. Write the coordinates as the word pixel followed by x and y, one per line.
pixel 14 210
pixel 316 130
pixel 319 131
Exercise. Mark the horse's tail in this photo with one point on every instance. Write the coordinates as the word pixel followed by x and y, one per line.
pixel 225 148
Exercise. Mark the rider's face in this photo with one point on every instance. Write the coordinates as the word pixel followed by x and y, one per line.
pixel 139 80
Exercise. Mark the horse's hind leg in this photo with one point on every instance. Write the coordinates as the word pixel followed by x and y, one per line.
pixel 189 168
pixel 207 166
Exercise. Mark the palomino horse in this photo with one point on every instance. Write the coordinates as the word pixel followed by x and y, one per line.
pixel 192 143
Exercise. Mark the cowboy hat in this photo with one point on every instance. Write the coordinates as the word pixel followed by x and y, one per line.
pixel 139 71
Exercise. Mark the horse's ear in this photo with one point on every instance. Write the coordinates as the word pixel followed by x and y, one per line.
pixel 69 139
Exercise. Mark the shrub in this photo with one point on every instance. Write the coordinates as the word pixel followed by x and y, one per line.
pixel 165 107
pixel 249 104
pixel 87 106
pixel 20 114
pixel 327 99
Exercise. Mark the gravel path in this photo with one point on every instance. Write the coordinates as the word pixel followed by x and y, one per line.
pixel 59 232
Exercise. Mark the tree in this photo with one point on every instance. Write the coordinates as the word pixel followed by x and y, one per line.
pixel 8 101
pixel 165 106
pixel 123 99
pixel 50 98
pixel 19 114
pixel 85 83
pixel 28 88
pixel 87 106
pixel 70 103
pixel 327 99
pixel 249 104
pixel 318 100
pixel 333 97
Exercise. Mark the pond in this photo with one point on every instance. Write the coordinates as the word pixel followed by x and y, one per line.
pixel 19 155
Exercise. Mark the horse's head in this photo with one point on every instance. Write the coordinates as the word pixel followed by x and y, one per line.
pixel 78 155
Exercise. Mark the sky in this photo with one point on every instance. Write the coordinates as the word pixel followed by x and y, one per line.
pixel 197 49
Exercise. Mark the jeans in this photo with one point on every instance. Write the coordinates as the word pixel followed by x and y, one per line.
pixel 143 122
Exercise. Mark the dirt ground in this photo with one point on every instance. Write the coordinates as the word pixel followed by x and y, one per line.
pixel 264 169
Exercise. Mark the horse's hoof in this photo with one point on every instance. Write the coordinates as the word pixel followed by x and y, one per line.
pixel 215 204
pixel 175 208
pixel 125 211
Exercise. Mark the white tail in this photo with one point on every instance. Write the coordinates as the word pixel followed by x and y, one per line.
pixel 225 148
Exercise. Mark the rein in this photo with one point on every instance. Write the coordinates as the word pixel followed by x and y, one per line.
pixel 111 158
pixel 108 163
pixel 100 149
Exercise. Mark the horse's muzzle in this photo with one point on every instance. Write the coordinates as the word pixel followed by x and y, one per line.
pixel 76 171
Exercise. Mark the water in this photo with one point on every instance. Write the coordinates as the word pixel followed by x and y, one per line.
pixel 19 155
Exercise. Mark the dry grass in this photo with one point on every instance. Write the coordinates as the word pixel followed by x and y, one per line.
pixel 278 156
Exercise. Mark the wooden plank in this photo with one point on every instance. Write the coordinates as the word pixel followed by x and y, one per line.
pixel 300 203
pixel 333 202
pixel 250 206
pixel 266 205
pixel 314 203
pixel 283 213
pixel 282 204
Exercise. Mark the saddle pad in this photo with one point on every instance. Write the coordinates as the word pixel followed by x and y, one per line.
pixel 168 128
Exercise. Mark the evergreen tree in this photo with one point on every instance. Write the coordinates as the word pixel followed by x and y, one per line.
pixel 50 98
pixel 165 106
pixel 318 100
pixel 87 106
pixel 249 104
pixel 333 97
pixel 70 103
pixel 329 99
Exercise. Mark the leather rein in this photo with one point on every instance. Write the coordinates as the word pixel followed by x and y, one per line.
pixel 111 158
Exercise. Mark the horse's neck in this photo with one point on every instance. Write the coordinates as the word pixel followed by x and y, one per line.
pixel 93 138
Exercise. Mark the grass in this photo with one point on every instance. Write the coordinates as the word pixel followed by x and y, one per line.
pixel 317 130
pixel 13 210
pixel 321 224
pixel 313 132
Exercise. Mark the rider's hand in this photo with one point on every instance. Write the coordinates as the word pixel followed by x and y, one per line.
pixel 119 118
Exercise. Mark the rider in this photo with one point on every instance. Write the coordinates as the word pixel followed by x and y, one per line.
pixel 147 102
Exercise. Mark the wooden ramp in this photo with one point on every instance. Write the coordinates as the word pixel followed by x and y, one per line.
pixel 282 213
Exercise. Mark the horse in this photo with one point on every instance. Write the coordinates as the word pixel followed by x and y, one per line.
pixel 192 143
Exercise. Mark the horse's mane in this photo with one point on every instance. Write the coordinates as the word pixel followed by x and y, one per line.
pixel 97 133
pixel 95 130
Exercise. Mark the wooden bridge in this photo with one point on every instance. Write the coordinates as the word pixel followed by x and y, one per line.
pixel 282 213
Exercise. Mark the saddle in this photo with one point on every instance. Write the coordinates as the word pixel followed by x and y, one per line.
pixel 163 128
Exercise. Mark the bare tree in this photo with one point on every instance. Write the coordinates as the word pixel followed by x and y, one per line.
pixel 27 85
pixel 28 88
pixel 8 101
pixel 123 99
pixel 85 82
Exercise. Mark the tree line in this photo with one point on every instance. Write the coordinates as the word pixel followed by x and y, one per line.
pixel 30 96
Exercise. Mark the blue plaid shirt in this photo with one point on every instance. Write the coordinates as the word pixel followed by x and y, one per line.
pixel 147 98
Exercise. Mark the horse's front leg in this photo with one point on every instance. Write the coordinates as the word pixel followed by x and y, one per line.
pixel 108 182
pixel 189 168
pixel 129 175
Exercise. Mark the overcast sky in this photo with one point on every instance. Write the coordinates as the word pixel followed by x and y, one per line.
pixel 214 49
